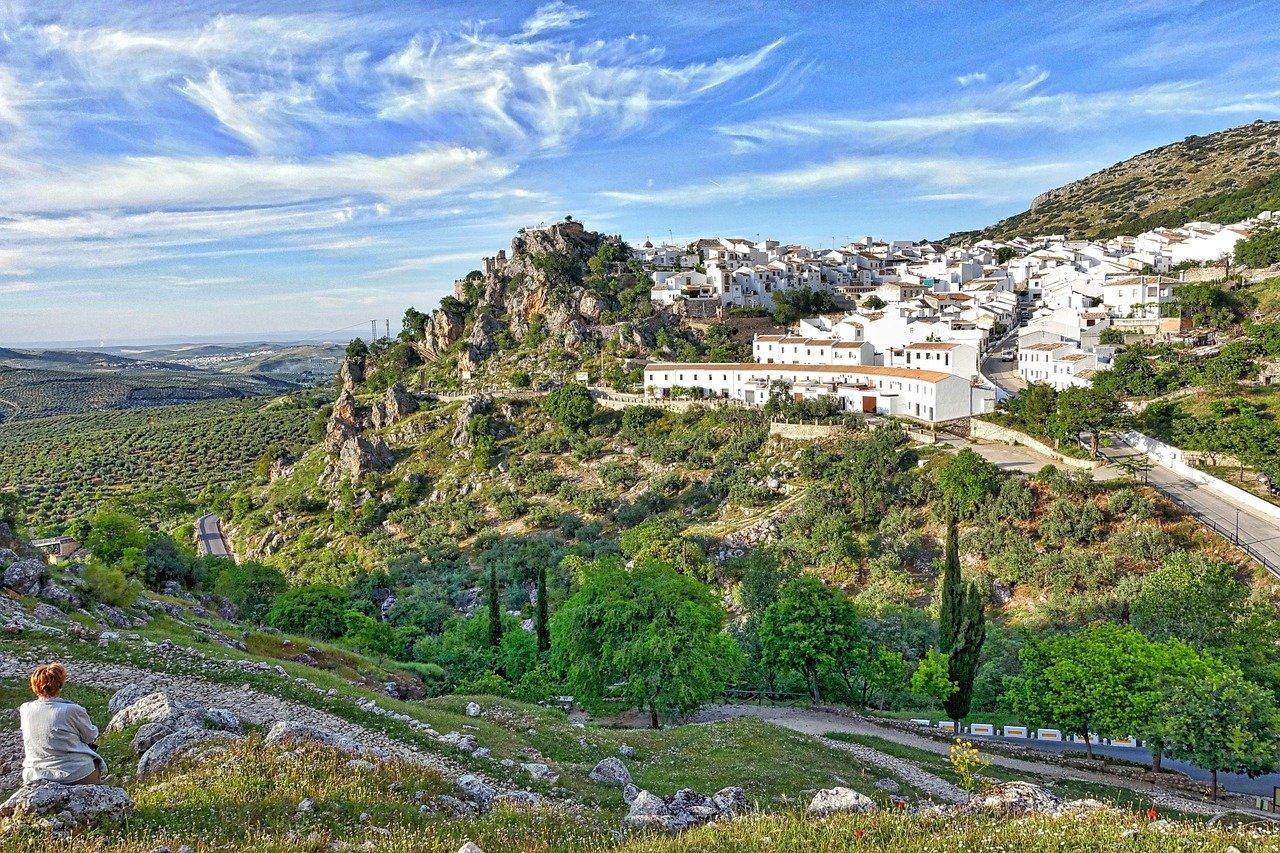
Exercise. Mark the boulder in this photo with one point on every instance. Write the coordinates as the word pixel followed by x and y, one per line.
pixel 149 735
pixel 473 710
pixel 627 751
pixel 647 810
pixel 7 557
pixel 540 772
pixel 126 696
pixel 470 847
pixel 344 422
pixel 65 807
pixel 158 708
pixel 611 771
pixel 731 801
pixel 223 720
pixel 60 595
pixel 477 790
pixel 478 404
pixel 168 749
pixel 832 800
pixel 360 456
pixel 293 733
pixel 24 576
pixel 1016 798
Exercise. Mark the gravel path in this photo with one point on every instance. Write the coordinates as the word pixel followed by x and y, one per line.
pixel 250 705
pixel 818 723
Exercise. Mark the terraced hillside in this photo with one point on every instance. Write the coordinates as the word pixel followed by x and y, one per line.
pixel 1223 177
pixel 42 392
pixel 65 466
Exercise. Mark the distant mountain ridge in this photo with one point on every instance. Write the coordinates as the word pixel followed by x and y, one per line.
pixel 1222 177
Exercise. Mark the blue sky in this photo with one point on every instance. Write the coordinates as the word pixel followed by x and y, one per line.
pixel 181 169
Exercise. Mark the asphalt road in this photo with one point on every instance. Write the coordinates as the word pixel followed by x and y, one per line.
pixel 1003 373
pixel 1258 532
pixel 209 538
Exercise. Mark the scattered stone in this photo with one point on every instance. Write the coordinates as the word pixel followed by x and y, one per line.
pixel 473 710
pixel 168 749
pixel 220 718
pixel 731 801
pixel 611 771
pixel 832 800
pixel 24 576
pixel 887 785
pixel 126 696
pixel 540 772
pixel 292 733
pixel 627 751
pixel 470 847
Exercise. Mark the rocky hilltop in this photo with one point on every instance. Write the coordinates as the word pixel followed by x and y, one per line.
pixel 1222 177
pixel 545 288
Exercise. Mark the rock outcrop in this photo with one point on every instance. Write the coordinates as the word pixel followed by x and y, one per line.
pixel 442 330
pixel 345 422
pixel 351 373
pixel 479 404
pixel 62 808
pixel 24 576
pixel 684 809
pixel 360 456
pixel 396 405
pixel 611 771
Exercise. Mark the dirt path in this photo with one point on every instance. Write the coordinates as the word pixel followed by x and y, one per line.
pixel 818 723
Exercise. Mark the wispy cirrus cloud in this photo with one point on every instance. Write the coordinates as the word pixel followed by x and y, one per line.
pixel 167 182
pixel 556 15
pixel 975 176
pixel 541 93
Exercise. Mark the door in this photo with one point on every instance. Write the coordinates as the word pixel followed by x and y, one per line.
pixel 868 405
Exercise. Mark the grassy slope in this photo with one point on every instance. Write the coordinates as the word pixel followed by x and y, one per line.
pixel 246 800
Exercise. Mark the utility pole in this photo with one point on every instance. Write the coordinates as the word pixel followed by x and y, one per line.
pixel 373 330
pixel 386 324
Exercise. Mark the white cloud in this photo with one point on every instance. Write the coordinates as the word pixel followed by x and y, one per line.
pixel 970 79
pixel 542 94
pixel 10 97
pixel 13 262
pixel 131 183
pixel 425 262
pixel 17 287
pixel 986 176
pixel 212 95
pixel 556 15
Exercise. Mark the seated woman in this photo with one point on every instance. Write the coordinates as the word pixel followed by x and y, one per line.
pixel 60 739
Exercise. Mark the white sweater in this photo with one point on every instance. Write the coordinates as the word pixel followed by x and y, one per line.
pixel 56 734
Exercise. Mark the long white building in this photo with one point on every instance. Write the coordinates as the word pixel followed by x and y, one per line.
pixel 930 396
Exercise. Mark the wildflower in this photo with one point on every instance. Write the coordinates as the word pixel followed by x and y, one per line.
pixel 1152 814
pixel 859 833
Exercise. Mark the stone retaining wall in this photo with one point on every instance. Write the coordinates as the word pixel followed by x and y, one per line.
pixel 987 431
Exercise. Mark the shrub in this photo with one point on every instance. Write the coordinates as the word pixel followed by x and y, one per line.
pixel 316 610
pixel 109 585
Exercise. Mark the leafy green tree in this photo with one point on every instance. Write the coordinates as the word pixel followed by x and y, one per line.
pixel 1106 679
pixel 415 324
pixel 1223 723
pixel 166 563
pixel 542 611
pixel 357 349
pixel 1086 410
pixel 1261 248
pixel 495 608
pixel 1004 254
pixel 112 533
pixel 109 585
pixel 251 587
pixel 966 481
pixel 1199 600
pixel 811 630
pixel 315 610
pixel 962 625
pixel 883 672
pixel 660 540
pixel 932 677
pixel 11 508
pixel 652 634
pixel 371 636
pixel 570 406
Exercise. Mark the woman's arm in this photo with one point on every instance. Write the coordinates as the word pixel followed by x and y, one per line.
pixel 79 718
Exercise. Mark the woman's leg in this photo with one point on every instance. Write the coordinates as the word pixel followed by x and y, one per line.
pixel 93 778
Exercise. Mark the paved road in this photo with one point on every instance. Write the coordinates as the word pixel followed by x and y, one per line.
pixel 1258 532
pixel 209 538
pixel 817 723
pixel 1003 373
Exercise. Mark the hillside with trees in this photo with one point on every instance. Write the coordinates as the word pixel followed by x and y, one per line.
pixel 1221 177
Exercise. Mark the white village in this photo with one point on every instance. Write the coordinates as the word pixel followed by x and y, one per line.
pixel 928 331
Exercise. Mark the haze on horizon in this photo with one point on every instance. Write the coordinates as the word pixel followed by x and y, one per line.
pixel 245 168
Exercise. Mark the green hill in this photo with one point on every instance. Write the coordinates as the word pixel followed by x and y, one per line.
pixel 1222 177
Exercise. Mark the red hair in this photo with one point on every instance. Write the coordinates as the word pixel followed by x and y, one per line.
pixel 47 680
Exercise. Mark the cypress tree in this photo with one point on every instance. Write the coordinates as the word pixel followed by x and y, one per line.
pixel 962 625
pixel 495 611
pixel 543 628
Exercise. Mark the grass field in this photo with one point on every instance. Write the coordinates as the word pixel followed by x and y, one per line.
pixel 65 466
